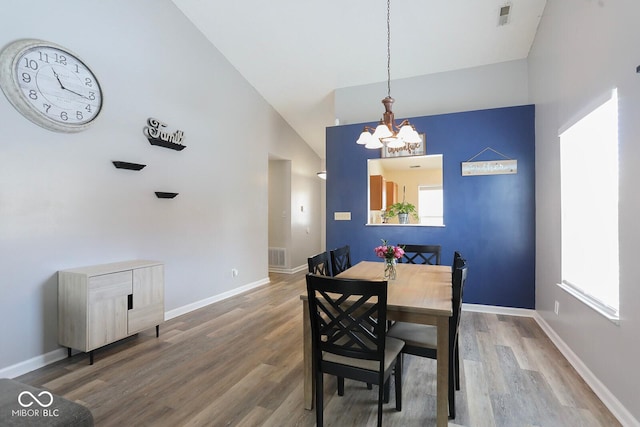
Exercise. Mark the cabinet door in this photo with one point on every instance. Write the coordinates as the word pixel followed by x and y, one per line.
pixel 148 298
pixel 107 319
pixel 392 193
pixel 376 192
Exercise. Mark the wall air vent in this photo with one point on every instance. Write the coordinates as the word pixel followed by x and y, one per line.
pixel 277 257
pixel 503 16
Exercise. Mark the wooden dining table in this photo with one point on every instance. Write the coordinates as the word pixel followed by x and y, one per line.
pixel 419 294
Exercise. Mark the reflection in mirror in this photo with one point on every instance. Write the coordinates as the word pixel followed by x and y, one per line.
pixel 415 180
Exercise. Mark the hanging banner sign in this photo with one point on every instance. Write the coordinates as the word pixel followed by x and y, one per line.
pixel 491 167
pixel 409 149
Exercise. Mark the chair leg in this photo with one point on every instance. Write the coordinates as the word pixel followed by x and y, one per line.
pixel 452 388
pixel 380 399
pixel 457 365
pixel 340 386
pixel 398 377
pixel 387 390
pixel 319 396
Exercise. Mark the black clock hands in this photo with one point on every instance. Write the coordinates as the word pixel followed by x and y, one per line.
pixel 64 88
pixel 79 94
pixel 58 78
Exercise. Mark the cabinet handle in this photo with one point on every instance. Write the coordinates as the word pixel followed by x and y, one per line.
pixel 130 302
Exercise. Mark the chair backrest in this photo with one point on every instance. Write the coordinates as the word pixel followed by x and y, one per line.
pixel 319 264
pixel 340 259
pixel 348 317
pixel 421 254
pixel 458 260
pixel 459 278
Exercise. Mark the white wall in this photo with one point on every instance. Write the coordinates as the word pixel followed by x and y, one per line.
pixel 584 49
pixel 63 204
pixel 490 86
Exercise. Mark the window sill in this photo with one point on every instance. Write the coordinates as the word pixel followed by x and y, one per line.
pixel 615 319
pixel 405 225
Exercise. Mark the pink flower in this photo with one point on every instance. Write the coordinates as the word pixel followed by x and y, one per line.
pixel 398 252
pixel 388 251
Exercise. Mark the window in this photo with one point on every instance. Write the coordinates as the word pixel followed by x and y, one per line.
pixel 589 204
pixel 430 205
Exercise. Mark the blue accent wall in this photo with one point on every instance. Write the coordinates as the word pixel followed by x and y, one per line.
pixel 489 219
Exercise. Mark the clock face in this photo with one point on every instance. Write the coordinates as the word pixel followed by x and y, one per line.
pixel 51 86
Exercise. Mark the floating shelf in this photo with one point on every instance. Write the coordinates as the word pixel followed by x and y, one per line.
pixel 165 195
pixel 127 165
pixel 166 144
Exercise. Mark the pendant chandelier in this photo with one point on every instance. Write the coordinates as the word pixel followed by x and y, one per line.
pixel 387 133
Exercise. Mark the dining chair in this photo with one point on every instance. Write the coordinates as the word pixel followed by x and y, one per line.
pixel 319 264
pixel 349 340
pixel 340 259
pixel 458 261
pixel 422 340
pixel 421 254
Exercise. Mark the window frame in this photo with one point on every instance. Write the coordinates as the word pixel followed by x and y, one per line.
pixel 596 302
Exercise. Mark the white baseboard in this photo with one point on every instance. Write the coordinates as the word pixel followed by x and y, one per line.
pixel 494 309
pixel 33 363
pixel 610 401
pixel 287 270
pixel 203 303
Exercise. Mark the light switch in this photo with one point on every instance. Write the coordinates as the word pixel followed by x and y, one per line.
pixel 342 216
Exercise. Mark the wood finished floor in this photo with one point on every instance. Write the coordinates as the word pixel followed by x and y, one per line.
pixel 239 363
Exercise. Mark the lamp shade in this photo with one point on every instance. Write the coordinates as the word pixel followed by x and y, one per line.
pixel 364 138
pixel 374 143
pixel 394 142
pixel 409 134
pixel 382 131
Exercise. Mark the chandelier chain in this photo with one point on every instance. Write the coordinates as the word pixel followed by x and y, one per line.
pixel 388 49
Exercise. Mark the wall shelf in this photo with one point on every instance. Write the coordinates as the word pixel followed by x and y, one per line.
pixel 166 144
pixel 165 195
pixel 126 165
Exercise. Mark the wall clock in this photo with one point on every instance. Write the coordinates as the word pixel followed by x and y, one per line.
pixel 49 85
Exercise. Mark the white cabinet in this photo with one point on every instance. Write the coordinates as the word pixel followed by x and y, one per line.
pixel 100 304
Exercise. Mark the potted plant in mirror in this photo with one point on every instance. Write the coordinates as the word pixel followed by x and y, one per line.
pixel 402 210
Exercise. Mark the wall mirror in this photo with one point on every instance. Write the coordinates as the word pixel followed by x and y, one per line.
pixel 415 180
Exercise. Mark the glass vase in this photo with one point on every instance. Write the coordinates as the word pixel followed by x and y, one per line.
pixel 390 268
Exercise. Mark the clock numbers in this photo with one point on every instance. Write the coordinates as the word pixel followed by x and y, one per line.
pixel 33 95
pixel 88 82
pixel 46 107
pixel 44 57
pixel 61 59
pixel 31 64
pixel 26 77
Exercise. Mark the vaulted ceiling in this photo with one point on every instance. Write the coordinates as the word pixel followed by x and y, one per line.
pixel 297 53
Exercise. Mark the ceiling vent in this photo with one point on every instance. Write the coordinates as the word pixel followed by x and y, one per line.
pixel 503 17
